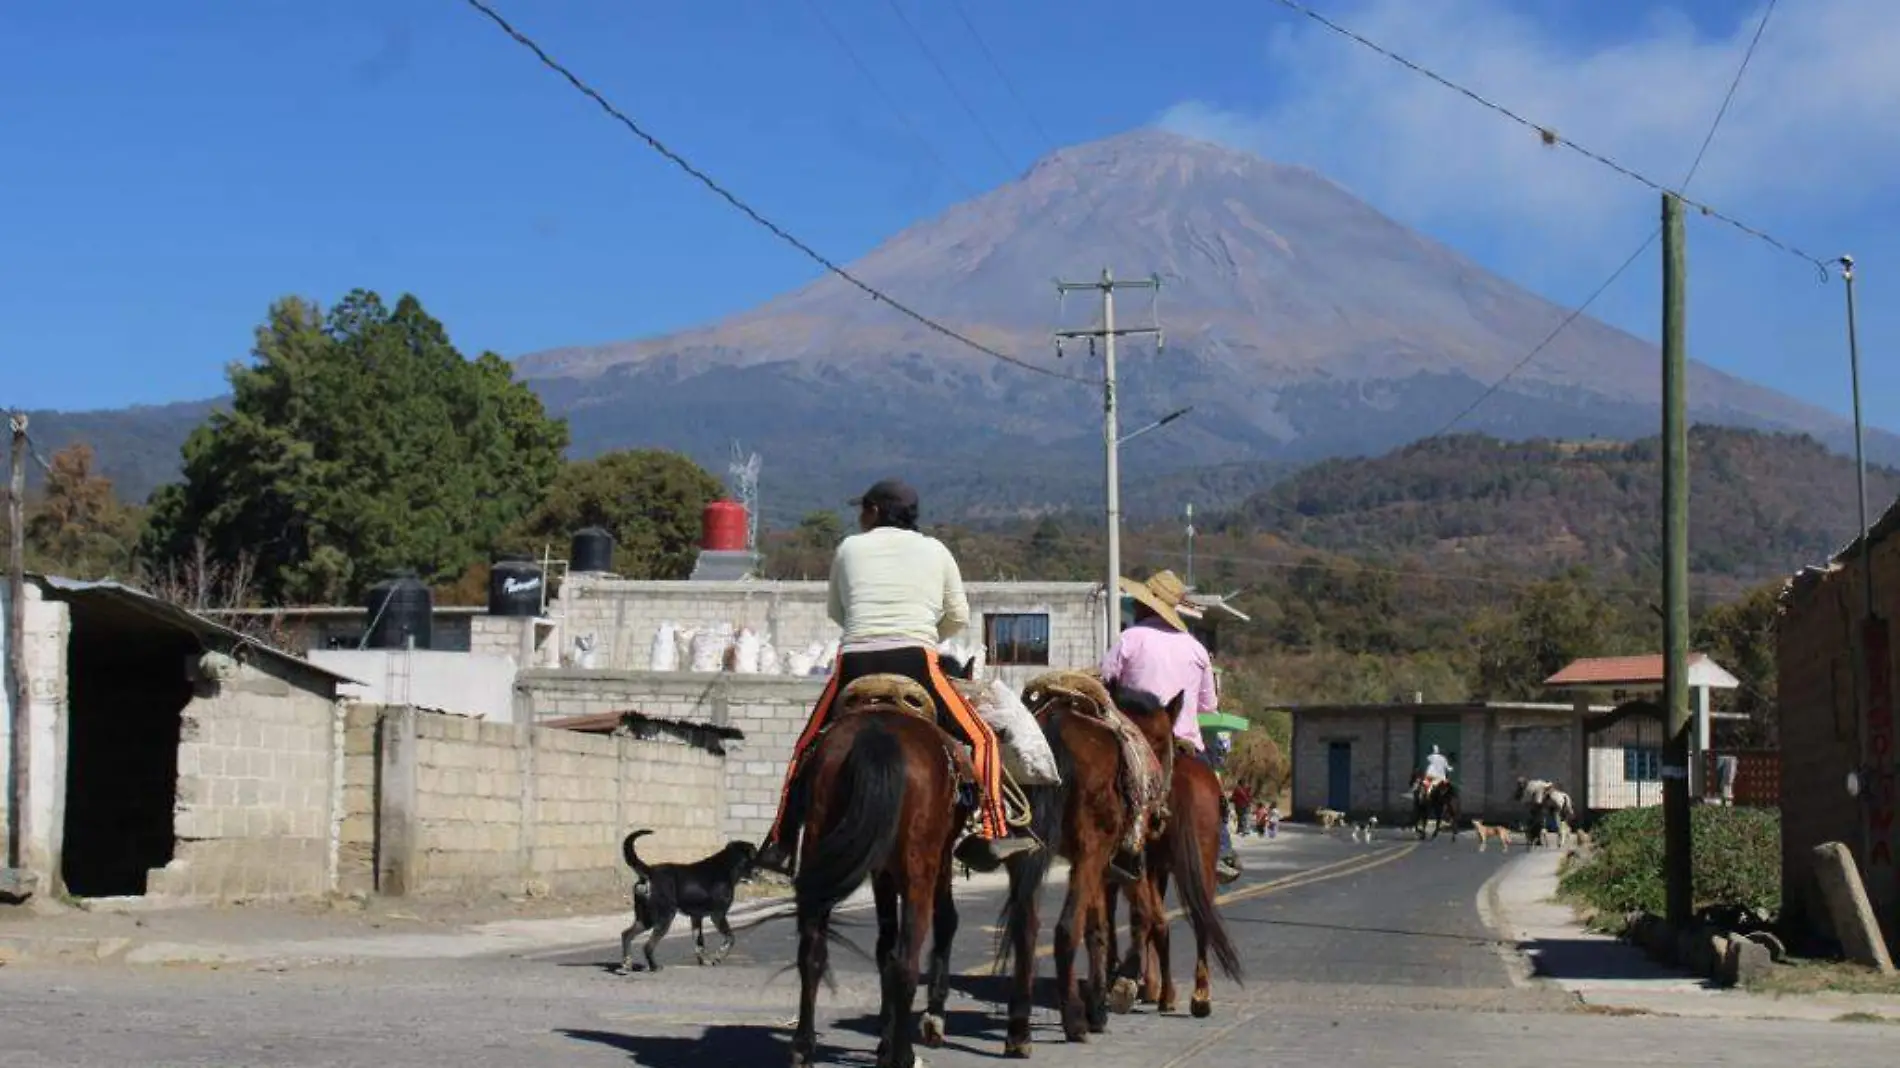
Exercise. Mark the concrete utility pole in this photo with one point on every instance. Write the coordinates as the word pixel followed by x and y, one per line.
pixel 18 768
pixel 1677 837
pixel 1111 434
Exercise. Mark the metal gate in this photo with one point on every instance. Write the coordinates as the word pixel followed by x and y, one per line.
pixel 1623 757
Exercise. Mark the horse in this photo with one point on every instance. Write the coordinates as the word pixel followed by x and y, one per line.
pixel 884 802
pixel 1081 820
pixel 1187 847
pixel 1437 801
pixel 1543 801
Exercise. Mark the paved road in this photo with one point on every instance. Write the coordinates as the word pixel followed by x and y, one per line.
pixel 1358 955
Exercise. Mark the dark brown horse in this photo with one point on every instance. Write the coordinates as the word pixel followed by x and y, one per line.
pixel 1435 802
pixel 1187 849
pixel 883 803
pixel 1080 820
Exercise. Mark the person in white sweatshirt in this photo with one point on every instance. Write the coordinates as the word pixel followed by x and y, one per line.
pixel 898 594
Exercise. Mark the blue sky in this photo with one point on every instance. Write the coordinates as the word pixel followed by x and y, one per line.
pixel 175 167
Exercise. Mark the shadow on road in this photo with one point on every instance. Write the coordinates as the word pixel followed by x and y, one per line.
pixel 972 1031
pixel 718 1044
pixel 1474 940
pixel 1597 958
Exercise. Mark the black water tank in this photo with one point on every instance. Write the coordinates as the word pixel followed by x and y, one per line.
pixel 593 550
pixel 400 607
pixel 514 587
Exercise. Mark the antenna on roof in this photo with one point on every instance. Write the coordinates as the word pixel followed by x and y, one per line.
pixel 744 475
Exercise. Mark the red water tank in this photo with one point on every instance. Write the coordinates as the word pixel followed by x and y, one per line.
pixel 723 527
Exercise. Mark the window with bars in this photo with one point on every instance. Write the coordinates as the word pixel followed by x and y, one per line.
pixel 1642 763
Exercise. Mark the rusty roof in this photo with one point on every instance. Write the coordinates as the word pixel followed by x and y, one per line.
pixel 1637 671
pixel 609 722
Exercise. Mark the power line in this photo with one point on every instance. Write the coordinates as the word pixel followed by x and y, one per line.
pixel 817 11
pixel 778 231
pixel 1552 137
pixel 1001 74
pixel 1708 139
pixel 924 47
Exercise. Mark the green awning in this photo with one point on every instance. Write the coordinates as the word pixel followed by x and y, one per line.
pixel 1223 721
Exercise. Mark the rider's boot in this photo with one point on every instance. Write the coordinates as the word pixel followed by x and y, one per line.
pixel 1227 869
pixel 775 853
pixel 988 854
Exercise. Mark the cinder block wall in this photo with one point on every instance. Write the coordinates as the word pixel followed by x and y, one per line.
pixel 48 624
pixel 256 771
pixel 770 710
pixel 499 807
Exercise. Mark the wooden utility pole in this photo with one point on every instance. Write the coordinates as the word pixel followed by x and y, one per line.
pixel 1111 431
pixel 1678 839
pixel 18 767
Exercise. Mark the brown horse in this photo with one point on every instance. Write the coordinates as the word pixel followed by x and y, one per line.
pixel 1188 849
pixel 1081 820
pixel 883 787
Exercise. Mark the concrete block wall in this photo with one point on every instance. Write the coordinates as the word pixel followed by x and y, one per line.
pixel 356 818
pixel 496 807
pixel 769 710
pixel 1820 734
pixel 256 783
pixel 48 623
pixel 624 615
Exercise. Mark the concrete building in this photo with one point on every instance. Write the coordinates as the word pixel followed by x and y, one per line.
pixel 1360 758
pixel 1835 670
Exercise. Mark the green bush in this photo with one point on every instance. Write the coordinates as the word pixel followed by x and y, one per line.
pixel 1737 861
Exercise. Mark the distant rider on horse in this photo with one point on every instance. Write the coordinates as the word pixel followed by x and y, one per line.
pixel 898 594
pixel 1159 656
pixel 1437 769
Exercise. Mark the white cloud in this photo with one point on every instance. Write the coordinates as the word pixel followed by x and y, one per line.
pixel 1813 131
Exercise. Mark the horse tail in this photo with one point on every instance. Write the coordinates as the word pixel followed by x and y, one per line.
pixel 1028 872
pixel 632 855
pixel 868 799
pixel 1190 835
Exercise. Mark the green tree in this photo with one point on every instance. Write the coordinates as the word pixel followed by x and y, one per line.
pixel 1741 636
pixel 649 499
pixel 78 528
pixel 1548 625
pixel 357 441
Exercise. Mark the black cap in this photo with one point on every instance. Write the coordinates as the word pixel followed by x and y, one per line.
pixel 889 496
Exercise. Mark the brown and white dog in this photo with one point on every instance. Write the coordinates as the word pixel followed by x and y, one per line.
pixel 1330 818
pixel 1492 830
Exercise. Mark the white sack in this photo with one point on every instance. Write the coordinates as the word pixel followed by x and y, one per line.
pixel 665 654
pixel 1026 753
pixel 745 652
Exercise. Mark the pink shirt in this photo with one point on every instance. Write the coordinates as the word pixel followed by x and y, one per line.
pixel 1155 657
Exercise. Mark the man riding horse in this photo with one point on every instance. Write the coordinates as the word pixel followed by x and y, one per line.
pixel 898 594
pixel 1159 656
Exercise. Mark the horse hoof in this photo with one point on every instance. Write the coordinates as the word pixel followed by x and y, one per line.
pixel 1201 1008
pixel 1121 997
pixel 1166 1005
pixel 931 1031
pixel 1016 1048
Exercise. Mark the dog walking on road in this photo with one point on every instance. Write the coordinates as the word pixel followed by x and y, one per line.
pixel 700 889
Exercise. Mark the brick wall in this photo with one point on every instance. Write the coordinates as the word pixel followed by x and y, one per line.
pixel 468 806
pixel 1820 731
pixel 770 710
pixel 256 774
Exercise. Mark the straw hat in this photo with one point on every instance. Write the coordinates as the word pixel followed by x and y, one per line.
pixel 1163 591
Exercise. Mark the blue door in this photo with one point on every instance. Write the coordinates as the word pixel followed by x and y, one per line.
pixel 1339 776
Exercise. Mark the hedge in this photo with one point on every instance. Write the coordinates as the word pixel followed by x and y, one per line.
pixel 1736 861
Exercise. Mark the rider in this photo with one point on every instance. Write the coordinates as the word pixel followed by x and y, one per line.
pixel 898 594
pixel 1158 655
pixel 1437 767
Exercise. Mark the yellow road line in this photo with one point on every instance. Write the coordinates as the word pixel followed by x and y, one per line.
pixel 1336 870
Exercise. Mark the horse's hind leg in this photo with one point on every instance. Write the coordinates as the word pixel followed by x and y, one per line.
pixel 1123 992
pixel 813 945
pixel 944 932
pixel 1074 1025
pixel 917 909
pixel 1095 934
pixel 1022 929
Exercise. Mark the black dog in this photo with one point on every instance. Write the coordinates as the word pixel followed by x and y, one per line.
pixel 700 889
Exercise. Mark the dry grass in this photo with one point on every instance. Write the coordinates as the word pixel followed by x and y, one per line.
pixel 1816 977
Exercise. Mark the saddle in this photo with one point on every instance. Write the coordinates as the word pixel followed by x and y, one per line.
pixel 1144 779
pixel 902 695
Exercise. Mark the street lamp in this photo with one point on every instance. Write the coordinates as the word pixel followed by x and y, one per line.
pixel 1156 425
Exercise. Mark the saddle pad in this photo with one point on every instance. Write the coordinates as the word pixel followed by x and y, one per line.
pixel 1144 780
pixel 889 693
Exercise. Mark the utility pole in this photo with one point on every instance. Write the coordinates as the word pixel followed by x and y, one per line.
pixel 1111 433
pixel 1677 836
pixel 1190 539
pixel 18 768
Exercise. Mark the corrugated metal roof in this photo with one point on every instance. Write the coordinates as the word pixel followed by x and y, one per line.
pixel 164 611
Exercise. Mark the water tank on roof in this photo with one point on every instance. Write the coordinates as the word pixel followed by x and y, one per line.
pixel 723 526
pixel 514 587
pixel 401 608
pixel 593 550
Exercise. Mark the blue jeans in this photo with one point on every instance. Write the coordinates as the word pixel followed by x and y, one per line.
pixel 1226 836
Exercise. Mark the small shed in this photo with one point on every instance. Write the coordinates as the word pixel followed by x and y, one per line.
pixel 1623 678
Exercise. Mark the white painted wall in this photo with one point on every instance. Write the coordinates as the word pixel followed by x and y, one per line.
pixel 48 626
pixel 468 684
